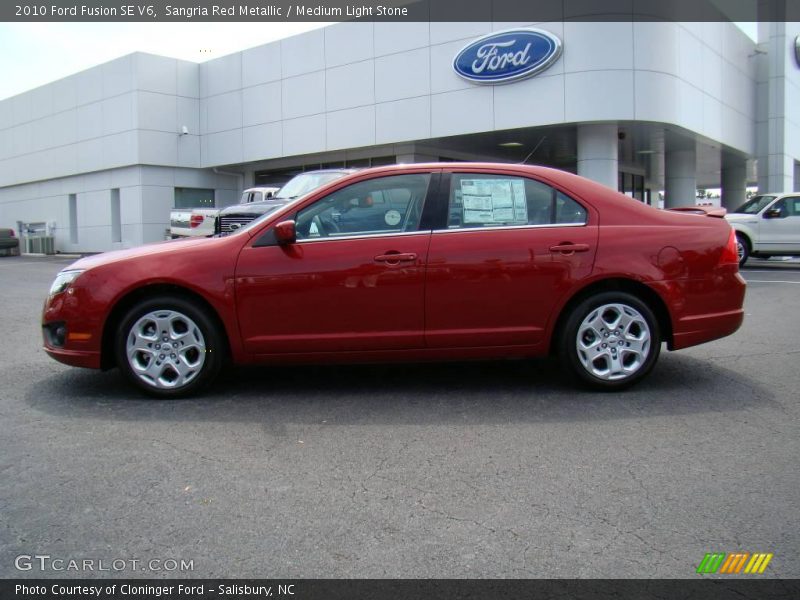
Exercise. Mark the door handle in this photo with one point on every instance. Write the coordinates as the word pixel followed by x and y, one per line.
pixel 396 257
pixel 569 248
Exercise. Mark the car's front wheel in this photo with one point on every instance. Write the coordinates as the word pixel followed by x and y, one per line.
pixel 610 340
pixel 169 347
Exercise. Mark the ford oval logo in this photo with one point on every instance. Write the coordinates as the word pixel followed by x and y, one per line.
pixel 506 56
pixel 797 50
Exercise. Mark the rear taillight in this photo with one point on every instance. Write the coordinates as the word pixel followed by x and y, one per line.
pixel 729 255
pixel 196 221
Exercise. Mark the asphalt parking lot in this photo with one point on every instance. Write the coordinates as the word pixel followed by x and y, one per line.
pixel 497 469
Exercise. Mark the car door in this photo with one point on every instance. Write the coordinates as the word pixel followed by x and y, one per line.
pixel 353 281
pixel 510 249
pixel 779 226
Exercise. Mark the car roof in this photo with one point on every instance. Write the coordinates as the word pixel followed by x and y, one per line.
pixel 336 170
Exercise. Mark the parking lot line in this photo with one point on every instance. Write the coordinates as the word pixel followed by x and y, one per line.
pixel 771 271
pixel 770 281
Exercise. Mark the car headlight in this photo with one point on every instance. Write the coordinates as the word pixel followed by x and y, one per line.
pixel 63 280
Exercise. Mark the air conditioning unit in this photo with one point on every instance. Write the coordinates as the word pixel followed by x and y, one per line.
pixel 40 244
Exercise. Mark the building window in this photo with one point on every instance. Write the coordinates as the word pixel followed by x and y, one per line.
pixel 194 198
pixel 116 219
pixel 73 218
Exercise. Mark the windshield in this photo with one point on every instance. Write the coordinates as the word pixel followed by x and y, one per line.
pixel 754 205
pixel 306 182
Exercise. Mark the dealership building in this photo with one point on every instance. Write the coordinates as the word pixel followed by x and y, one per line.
pixel 98 159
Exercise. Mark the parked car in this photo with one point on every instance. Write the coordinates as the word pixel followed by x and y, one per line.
pixel 468 261
pixel 9 243
pixel 192 222
pixel 234 217
pixel 767 225
pixel 257 194
pixel 201 222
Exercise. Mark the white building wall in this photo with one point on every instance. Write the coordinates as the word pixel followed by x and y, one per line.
pixel 350 85
pixel 792 102
pixel 778 119
pixel 360 84
pixel 124 112
pixel 146 196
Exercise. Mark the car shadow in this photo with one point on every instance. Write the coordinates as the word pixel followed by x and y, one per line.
pixel 499 392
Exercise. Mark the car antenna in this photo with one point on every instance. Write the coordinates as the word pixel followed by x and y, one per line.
pixel 524 160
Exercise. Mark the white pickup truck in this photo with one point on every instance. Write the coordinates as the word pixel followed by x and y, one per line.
pixel 767 225
pixel 200 222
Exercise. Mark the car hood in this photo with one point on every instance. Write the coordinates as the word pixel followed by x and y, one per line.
pixel 115 256
pixel 741 218
pixel 253 208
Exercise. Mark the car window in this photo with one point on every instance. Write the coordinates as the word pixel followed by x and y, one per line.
pixel 792 207
pixel 779 206
pixel 382 205
pixel 482 200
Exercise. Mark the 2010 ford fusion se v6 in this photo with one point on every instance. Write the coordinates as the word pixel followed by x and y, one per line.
pixel 410 262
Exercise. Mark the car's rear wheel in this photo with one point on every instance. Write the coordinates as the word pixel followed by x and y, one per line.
pixel 169 347
pixel 742 249
pixel 610 340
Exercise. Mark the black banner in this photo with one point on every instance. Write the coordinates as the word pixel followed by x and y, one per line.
pixel 399 10
pixel 389 589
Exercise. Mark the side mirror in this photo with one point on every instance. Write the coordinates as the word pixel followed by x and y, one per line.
pixel 772 213
pixel 286 233
pixel 268 195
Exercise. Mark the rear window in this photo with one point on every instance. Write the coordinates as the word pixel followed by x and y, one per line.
pixel 482 200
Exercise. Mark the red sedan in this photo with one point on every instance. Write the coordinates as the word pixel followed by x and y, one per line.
pixel 408 263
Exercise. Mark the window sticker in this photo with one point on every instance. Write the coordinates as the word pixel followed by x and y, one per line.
pixel 392 218
pixel 493 201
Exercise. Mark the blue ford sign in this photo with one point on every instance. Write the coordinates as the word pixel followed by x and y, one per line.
pixel 507 55
pixel 797 50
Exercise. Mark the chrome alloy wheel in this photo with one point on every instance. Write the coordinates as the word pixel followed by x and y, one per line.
pixel 740 249
pixel 165 349
pixel 613 342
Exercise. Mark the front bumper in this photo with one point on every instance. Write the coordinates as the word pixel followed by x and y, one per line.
pixel 74 358
pixel 79 344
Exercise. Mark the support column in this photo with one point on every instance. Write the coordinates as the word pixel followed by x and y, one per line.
pixel 734 182
pixel 249 179
pixel 780 176
pixel 598 150
pixel 797 176
pixel 776 70
pixel 680 177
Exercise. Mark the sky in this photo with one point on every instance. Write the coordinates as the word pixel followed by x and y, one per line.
pixel 33 54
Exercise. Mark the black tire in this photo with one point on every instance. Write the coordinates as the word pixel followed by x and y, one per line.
pixel 207 330
pixel 571 356
pixel 742 248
